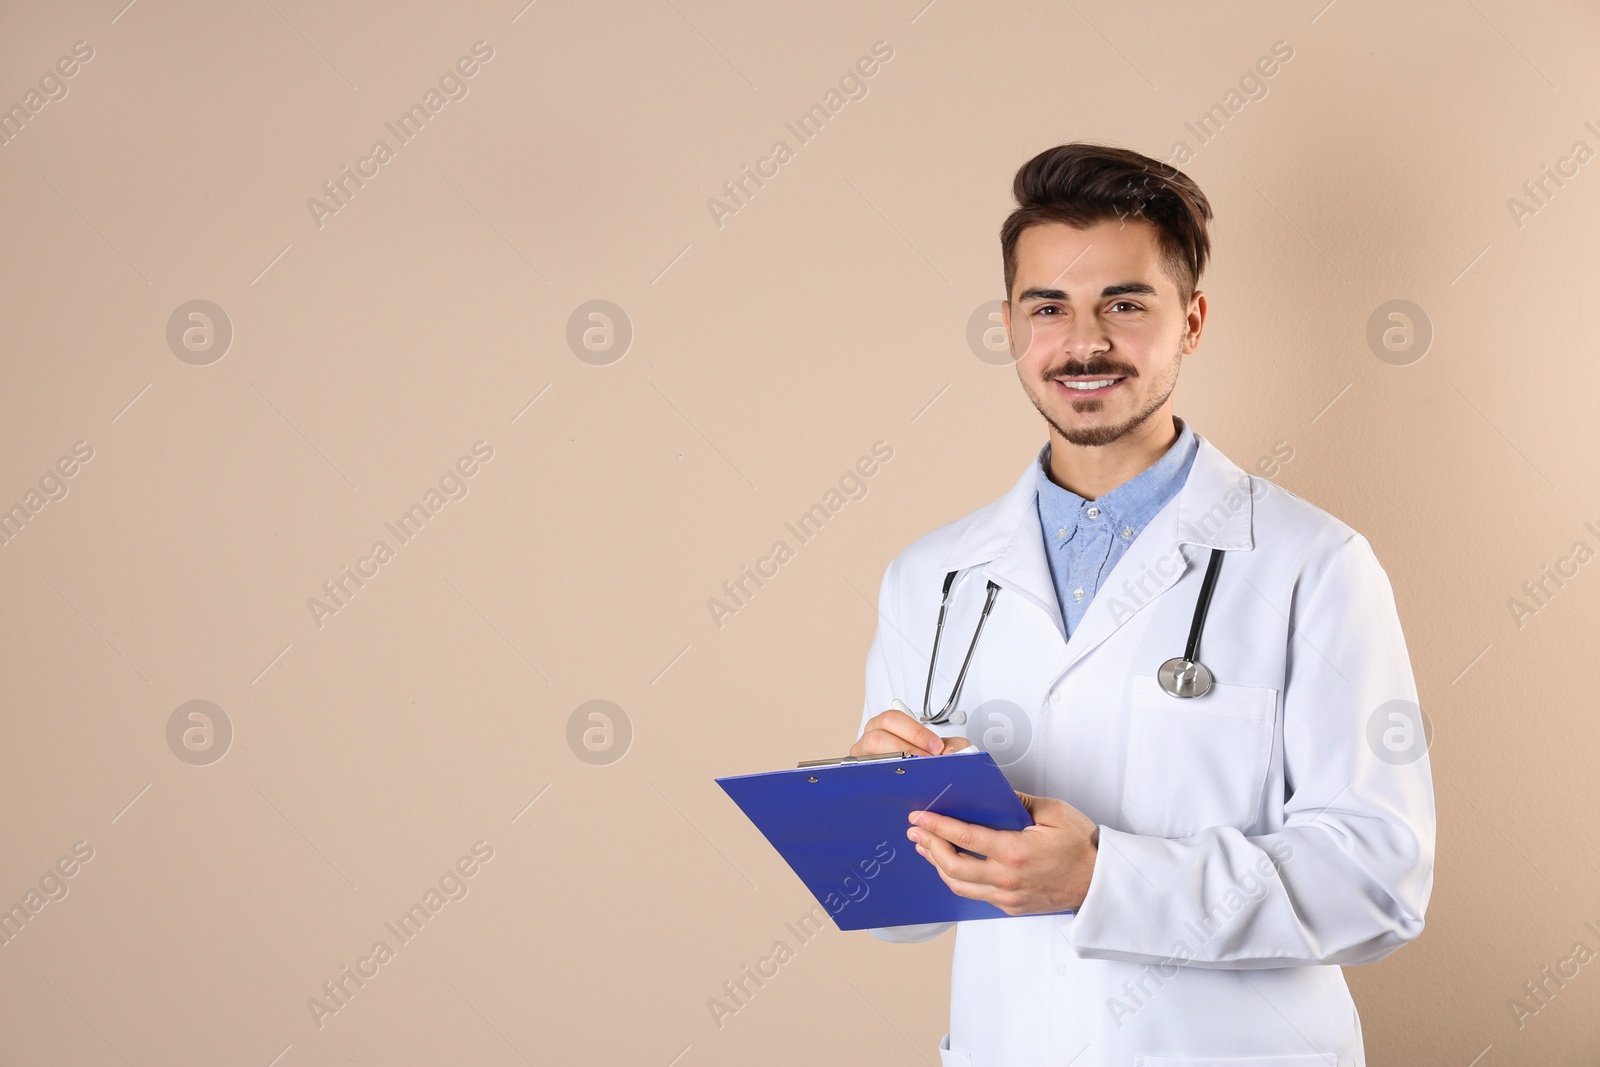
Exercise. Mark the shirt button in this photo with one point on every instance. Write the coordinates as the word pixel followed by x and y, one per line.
pixel 1055 696
pixel 1093 513
pixel 1061 968
pixel 1077 594
pixel 1061 532
pixel 1127 531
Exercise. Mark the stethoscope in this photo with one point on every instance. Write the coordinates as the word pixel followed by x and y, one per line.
pixel 1181 676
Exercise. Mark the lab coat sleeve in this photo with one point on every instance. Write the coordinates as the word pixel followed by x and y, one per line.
pixel 884 684
pixel 1347 878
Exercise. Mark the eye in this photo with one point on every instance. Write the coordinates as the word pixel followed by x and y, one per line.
pixel 1127 303
pixel 1045 307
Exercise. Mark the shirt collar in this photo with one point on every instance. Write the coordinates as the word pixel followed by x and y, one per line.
pixel 1131 504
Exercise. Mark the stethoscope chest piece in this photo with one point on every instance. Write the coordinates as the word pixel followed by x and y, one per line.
pixel 1185 675
pixel 1180 677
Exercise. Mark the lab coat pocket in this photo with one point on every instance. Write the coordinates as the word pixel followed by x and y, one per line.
pixel 1299 1059
pixel 953 1057
pixel 1195 762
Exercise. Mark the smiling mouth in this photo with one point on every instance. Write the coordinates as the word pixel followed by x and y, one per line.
pixel 1088 386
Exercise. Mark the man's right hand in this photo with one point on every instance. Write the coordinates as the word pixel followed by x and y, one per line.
pixel 895 731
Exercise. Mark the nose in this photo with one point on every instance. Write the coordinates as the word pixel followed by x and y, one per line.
pixel 1082 336
pixel 1079 337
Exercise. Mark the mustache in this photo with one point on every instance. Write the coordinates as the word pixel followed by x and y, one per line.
pixel 1096 369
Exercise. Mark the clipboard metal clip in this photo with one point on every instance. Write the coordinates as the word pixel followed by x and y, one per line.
pixel 851 759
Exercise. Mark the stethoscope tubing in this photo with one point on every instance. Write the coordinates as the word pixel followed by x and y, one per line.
pixel 1191 649
pixel 943 717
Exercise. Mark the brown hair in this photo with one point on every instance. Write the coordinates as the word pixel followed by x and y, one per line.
pixel 1081 184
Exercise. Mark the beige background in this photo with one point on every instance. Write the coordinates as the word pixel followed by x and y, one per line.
pixel 768 354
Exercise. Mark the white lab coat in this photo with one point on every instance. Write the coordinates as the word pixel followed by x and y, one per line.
pixel 1251 840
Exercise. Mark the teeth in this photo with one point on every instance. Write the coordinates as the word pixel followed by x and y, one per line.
pixel 1089 385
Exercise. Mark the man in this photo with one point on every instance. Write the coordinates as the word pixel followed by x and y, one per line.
pixel 1201 864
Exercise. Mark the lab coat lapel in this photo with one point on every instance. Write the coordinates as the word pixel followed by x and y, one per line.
pixel 1006 536
pixel 1212 510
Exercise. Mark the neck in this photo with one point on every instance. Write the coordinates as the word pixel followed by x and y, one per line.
pixel 1094 470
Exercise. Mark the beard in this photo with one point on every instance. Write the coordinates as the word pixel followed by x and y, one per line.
pixel 1097 436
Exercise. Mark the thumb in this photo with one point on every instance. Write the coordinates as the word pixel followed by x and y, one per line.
pixel 1040 809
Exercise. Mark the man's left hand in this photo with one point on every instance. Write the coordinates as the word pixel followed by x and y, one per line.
pixel 1045 867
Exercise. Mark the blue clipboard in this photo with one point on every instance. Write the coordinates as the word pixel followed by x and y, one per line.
pixel 842 828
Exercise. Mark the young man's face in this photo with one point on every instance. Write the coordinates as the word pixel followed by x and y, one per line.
pixel 1093 306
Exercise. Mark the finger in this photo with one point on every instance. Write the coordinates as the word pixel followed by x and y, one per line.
pixel 908 729
pixel 1050 811
pixel 955 744
pixel 1038 808
pixel 967 835
pixel 875 741
pixel 961 887
pixel 960 867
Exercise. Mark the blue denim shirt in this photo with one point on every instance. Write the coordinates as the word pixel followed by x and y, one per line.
pixel 1085 538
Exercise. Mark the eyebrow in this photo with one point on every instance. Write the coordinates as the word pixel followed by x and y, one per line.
pixel 1123 289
